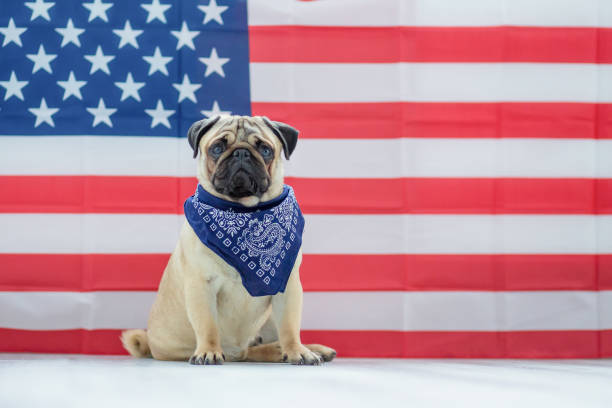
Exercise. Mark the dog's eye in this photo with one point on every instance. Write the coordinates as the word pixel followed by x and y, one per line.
pixel 265 150
pixel 217 148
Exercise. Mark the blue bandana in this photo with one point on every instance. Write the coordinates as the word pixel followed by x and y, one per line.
pixel 260 242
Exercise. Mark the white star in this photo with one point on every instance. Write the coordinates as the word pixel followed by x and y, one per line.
pixel 187 89
pixel 97 9
pixel 158 62
pixel 39 9
pixel 72 87
pixel 13 87
pixel 128 35
pixel 215 111
pixel 44 113
pixel 70 34
pixel 212 12
pixel 99 61
pixel 130 88
pixel 156 11
pixel 185 37
pixel 41 60
pixel 12 33
pixel 101 114
pixel 159 115
pixel 214 63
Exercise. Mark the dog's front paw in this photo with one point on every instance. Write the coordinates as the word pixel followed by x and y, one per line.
pixel 301 355
pixel 207 357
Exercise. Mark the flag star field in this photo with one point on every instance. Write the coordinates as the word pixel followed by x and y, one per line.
pixel 109 68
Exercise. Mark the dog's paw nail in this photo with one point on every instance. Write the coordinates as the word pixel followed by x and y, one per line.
pixel 223 355
pixel 284 357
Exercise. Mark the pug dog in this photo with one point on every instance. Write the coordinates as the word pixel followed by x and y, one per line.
pixel 209 308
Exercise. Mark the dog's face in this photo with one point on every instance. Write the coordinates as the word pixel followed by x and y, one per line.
pixel 240 156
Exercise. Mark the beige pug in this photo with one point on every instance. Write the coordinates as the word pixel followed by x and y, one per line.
pixel 202 312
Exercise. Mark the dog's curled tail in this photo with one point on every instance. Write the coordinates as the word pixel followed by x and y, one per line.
pixel 136 343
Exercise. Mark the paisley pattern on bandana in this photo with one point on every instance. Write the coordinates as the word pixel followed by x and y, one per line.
pixel 260 242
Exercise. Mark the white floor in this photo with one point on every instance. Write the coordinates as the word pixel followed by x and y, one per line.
pixel 37 380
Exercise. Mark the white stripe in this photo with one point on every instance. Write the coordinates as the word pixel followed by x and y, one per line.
pixel 431 82
pixel 589 13
pixel 457 234
pixel 317 158
pixel 89 233
pixel 425 157
pixel 74 310
pixel 324 234
pixel 407 311
pixel 98 155
pixel 455 311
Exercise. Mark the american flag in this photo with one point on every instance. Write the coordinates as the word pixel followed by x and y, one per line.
pixel 454 165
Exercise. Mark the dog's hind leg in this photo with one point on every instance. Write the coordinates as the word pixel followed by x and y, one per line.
pixel 326 353
pixel 265 353
pixel 271 353
pixel 269 334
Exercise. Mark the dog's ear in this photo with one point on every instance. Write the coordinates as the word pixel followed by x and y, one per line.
pixel 287 135
pixel 197 130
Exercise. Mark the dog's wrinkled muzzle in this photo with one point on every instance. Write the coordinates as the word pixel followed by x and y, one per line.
pixel 242 184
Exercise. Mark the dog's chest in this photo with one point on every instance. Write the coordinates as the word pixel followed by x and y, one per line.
pixel 234 300
pixel 240 315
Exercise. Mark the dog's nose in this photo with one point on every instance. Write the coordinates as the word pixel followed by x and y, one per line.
pixel 241 154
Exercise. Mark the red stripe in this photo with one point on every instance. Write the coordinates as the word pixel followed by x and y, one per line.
pixel 454 196
pixel 93 272
pixel 532 344
pixel 94 194
pixel 165 195
pixel 536 344
pixel 429 44
pixel 442 120
pixel 75 272
pixel 456 272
